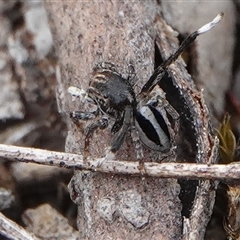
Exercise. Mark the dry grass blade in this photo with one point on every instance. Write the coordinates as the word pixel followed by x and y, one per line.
pixel 227 146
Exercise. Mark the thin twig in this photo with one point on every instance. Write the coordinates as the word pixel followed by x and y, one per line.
pixel 75 161
pixel 11 230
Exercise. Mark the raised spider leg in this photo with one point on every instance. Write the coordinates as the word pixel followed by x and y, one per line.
pixel 159 72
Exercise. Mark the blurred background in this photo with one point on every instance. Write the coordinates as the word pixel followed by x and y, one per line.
pixel 29 113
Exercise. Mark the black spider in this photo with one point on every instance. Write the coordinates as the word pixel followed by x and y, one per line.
pixel 147 114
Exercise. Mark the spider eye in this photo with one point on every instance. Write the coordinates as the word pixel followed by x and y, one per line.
pixel 105 96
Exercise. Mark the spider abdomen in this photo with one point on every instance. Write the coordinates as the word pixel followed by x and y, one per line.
pixel 152 128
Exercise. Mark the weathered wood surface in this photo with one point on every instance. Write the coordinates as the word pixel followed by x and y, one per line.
pixel 122 33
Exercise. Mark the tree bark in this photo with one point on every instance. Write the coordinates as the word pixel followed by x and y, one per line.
pixel 123 33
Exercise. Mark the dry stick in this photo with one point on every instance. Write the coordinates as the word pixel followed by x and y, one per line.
pixel 12 230
pixel 75 161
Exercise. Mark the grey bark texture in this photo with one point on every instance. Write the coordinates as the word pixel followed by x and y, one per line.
pixel 123 33
pixel 28 109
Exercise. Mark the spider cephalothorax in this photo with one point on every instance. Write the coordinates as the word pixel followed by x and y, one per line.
pixel 110 91
pixel 149 116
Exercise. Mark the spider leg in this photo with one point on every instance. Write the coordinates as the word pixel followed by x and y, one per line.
pixel 159 72
pixel 157 99
pixel 136 141
pixel 138 147
pixel 170 115
pixel 174 115
pixel 79 115
pixel 120 127
pixel 82 95
pixel 118 124
pixel 119 137
pixel 99 124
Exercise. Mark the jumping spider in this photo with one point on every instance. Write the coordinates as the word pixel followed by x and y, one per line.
pixel 151 119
